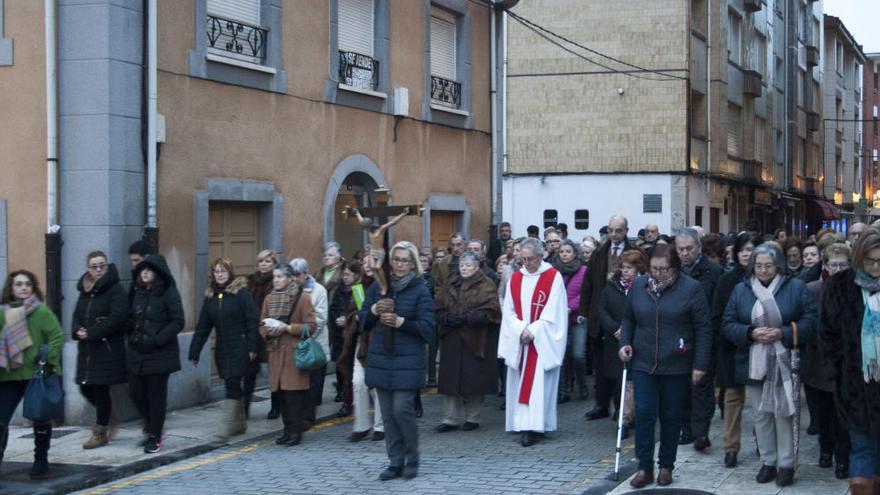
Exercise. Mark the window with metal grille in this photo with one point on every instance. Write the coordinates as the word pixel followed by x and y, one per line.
pixel 236 10
pixel 582 219
pixel 356 26
pixel 652 203
pixel 551 218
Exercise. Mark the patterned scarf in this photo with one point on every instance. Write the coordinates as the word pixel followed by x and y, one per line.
pixel 278 303
pixel 15 337
pixel 870 334
pixel 657 288
pixel 625 283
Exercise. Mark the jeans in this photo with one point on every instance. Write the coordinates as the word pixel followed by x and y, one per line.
pixel 575 358
pixel 401 429
pixel 99 396
pixel 864 458
pixel 150 395
pixel 658 395
pixel 11 393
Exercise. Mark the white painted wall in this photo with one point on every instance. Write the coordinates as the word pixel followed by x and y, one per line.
pixel 525 197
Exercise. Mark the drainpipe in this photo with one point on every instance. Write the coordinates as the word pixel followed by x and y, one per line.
pixel 504 91
pixel 709 101
pixel 151 231
pixel 493 93
pixel 53 230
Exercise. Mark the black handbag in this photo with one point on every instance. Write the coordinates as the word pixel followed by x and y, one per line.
pixel 44 396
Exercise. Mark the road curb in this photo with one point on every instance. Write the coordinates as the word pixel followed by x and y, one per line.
pixel 114 473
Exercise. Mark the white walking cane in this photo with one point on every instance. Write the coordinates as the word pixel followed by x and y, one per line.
pixel 620 415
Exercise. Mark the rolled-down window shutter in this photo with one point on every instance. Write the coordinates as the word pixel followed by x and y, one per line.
pixel 733 130
pixel 443 48
pixel 239 10
pixel 356 26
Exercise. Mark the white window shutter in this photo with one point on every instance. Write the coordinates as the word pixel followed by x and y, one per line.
pixel 733 130
pixel 356 26
pixel 443 48
pixel 239 10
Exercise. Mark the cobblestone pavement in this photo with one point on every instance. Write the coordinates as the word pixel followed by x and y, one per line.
pixel 486 460
pixel 576 459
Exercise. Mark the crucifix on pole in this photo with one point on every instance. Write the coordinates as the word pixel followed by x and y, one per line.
pixel 377 232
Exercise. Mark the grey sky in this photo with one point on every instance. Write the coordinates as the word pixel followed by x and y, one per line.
pixel 862 19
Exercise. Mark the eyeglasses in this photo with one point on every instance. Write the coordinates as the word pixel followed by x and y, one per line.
pixel 98 267
pixel 660 269
pixel 837 266
pixel 764 266
pixel 871 261
pixel 401 261
pixel 530 259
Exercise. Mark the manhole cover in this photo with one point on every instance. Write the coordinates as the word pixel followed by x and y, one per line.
pixel 670 491
pixel 56 433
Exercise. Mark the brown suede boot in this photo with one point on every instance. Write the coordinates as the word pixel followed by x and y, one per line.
pixel 861 486
pixel 99 438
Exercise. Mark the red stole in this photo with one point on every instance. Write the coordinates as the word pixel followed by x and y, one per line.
pixel 539 300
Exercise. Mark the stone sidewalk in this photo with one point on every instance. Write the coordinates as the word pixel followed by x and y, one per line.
pixel 188 432
pixel 705 471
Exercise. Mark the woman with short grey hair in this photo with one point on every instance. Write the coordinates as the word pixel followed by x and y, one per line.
pixel 765 312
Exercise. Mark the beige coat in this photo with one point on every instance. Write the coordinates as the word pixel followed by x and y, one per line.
pixel 283 373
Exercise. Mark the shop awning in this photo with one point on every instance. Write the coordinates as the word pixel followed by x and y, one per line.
pixel 825 210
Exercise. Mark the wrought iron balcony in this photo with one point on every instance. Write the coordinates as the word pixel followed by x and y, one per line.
pixel 446 92
pixel 812 56
pixel 814 121
pixel 359 71
pixel 752 5
pixel 237 39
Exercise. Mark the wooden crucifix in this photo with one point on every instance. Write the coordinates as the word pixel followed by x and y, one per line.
pixel 377 234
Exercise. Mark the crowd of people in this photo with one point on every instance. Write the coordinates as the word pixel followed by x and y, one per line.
pixel 701 321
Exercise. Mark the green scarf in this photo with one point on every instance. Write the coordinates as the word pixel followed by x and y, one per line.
pixel 870 335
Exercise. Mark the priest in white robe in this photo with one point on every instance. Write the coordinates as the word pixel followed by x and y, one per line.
pixel 534 330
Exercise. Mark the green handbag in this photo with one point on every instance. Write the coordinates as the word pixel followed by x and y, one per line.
pixel 308 354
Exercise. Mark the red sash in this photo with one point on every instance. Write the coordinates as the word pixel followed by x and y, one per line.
pixel 539 300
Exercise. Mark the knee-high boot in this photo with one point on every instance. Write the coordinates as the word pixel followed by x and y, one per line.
pixel 42 439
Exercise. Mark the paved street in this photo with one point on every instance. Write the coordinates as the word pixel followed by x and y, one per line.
pixel 577 459
pixel 482 461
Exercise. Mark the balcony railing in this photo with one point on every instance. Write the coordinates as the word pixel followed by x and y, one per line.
pixel 811 186
pixel 359 71
pixel 814 121
pixel 812 56
pixel 237 39
pixel 752 5
pixel 751 171
pixel 446 92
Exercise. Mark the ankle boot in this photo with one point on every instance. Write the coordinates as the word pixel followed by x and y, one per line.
pixel 275 410
pixel 861 486
pixel 99 437
pixel 42 439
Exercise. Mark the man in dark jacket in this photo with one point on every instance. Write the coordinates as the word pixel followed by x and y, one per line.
pixel 698 409
pixel 498 246
pixel 605 260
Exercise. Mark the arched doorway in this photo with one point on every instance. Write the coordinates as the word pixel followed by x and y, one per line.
pixel 352 184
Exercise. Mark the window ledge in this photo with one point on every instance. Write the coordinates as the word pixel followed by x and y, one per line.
pixel 240 63
pixel 444 108
pixel 368 92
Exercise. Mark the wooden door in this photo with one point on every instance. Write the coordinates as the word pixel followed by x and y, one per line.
pixel 234 233
pixel 442 226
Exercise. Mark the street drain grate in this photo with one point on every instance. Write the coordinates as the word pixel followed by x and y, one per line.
pixel 56 433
